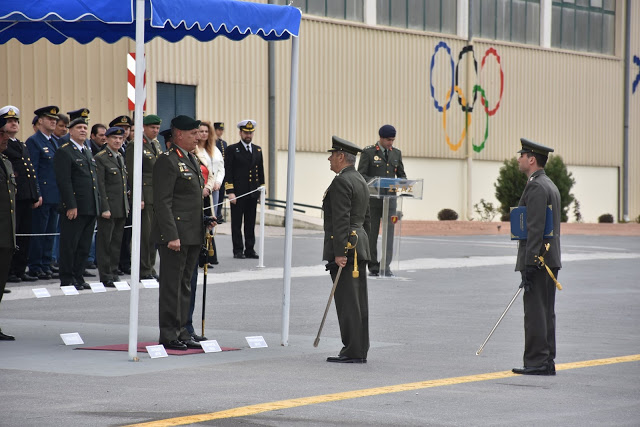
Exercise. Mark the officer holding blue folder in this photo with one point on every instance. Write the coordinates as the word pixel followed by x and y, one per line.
pixel 540 290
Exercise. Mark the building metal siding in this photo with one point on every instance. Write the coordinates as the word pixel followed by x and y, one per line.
pixel 354 78
pixel 634 116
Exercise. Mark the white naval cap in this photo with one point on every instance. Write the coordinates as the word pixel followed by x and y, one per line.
pixel 9 112
pixel 247 125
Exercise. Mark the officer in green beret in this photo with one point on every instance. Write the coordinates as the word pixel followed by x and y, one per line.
pixel 346 244
pixel 381 160
pixel 76 176
pixel 178 229
pixel 540 288
pixel 150 152
pixel 114 205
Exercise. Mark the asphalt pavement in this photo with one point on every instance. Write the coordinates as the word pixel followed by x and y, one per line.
pixel 425 326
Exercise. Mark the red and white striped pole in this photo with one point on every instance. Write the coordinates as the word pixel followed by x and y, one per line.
pixel 131 82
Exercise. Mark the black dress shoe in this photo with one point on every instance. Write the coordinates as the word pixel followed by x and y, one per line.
pixel 5 337
pixel 155 276
pixel 54 268
pixel 198 338
pixel 147 277
pixel 26 277
pixel 109 284
pixel 252 255
pixel 374 274
pixel 6 291
pixel 389 273
pixel 52 274
pixel 239 256
pixel 80 286
pixel 532 370
pixel 44 276
pixel 345 359
pixel 87 273
pixel 91 266
pixel 120 272
pixel 15 279
pixel 191 343
pixel 175 345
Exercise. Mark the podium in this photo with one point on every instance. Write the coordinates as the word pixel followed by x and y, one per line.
pixel 388 194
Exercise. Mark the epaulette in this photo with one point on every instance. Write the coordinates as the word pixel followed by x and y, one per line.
pixel 2 156
pixel 101 153
pixel 64 145
pixel 166 153
pixel 368 146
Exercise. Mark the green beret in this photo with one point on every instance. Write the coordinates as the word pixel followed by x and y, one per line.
pixel 185 123
pixel 151 119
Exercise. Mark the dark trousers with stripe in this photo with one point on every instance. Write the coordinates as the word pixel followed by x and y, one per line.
pixel 540 320
pixel 75 242
pixel 23 226
pixel 244 208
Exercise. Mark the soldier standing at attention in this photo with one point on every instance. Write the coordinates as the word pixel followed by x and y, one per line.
pixel 114 205
pixel 346 242
pixel 27 193
pixel 7 216
pixel 150 152
pixel 178 229
pixel 76 175
pixel 244 172
pixel 42 148
pixel 381 160
pixel 539 288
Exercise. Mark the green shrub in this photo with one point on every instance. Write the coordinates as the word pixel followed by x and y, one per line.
pixel 605 218
pixel 447 215
pixel 485 210
pixel 511 183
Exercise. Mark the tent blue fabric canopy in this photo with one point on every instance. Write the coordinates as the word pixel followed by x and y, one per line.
pixel 83 21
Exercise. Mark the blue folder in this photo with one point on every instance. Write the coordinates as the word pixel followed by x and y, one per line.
pixel 518 217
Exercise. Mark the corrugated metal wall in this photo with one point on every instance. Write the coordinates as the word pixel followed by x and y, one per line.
pixel 70 76
pixel 354 78
pixel 634 117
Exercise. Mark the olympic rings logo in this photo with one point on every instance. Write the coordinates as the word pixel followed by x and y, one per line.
pixel 467 106
pixel 636 61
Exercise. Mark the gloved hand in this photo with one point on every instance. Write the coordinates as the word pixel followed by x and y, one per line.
pixel 202 256
pixel 527 277
pixel 331 267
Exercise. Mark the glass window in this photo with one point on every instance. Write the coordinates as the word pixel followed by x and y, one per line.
pixel 587 25
pixel 428 15
pixel 512 20
pixel 351 10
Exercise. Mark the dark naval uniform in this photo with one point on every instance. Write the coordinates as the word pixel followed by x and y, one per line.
pixel 346 210
pixel 177 192
pixel 150 152
pixel 539 301
pixel 77 180
pixel 7 219
pixel 112 184
pixel 27 194
pixel 45 218
pixel 244 172
pixel 373 163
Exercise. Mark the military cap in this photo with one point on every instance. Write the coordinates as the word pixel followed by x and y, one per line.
pixel 10 112
pixel 339 144
pixel 218 125
pixel 34 121
pixel 185 123
pixel 166 134
pixel 115 130
pixel 78 117
pixel 247 125
pixel 121 121
pixel 529 146
pixel 387 131
pixel 50 111
pixel 151 119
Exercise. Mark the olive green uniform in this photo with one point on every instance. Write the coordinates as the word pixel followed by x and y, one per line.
pixel 177 192
pixel 539 301
pixel 150 152
pixel 112 183
pixel 346 209
pixel 7 219
pixel 372 164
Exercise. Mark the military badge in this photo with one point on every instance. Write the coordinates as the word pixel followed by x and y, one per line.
pixel 182 167
pixel 376 158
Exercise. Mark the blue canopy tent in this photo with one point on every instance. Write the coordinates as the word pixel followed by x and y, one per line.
pixel 142 20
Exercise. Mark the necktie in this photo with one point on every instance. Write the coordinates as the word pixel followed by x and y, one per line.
pixel 119 157
pixel 386 154
pixel 248 149
pixel 193 161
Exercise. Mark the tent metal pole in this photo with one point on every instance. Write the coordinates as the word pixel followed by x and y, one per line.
pixel 137 184
pixel 291 165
